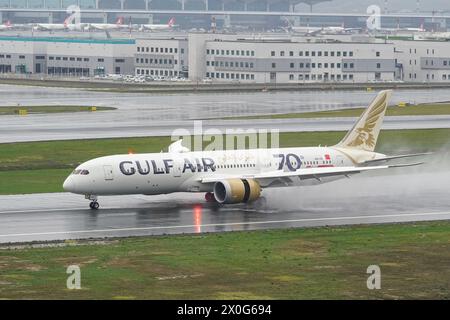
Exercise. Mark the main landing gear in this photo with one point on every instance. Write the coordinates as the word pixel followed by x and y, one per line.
pixel 94 205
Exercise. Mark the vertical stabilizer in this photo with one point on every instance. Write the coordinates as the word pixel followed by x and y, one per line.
pixel 364 134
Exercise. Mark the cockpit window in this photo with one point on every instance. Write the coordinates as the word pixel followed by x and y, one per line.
pixel 82 172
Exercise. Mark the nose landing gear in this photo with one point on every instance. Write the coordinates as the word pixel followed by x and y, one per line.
pixel 94 205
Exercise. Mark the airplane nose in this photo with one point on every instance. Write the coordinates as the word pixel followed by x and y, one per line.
pixel 69 185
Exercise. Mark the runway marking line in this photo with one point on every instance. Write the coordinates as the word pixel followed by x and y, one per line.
pixel 225 224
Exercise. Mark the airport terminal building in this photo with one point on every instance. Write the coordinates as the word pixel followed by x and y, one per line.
pixel 232 58
pixel 66 56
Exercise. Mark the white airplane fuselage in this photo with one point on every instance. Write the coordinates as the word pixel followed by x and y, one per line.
pixel 162 173
pixel 156 27
pixel 51 26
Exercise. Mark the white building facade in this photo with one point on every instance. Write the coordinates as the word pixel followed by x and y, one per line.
pixel 423 61
pixel 271 61
pixel 162 57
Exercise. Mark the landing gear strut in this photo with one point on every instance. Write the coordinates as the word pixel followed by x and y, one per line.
pixel 94 205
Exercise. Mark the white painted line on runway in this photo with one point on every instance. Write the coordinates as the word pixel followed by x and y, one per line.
pixel 46 210
pixel 228 224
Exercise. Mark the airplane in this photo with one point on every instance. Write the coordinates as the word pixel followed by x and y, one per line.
pixel 159 27
pixel 6 26
pixel 108 26
pixel 312 31
pixel 51 26
pixel 420 29
pixel 236 176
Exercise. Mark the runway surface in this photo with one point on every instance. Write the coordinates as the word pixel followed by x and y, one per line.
pixel 407 195
pixel 38 129
pixel 159 115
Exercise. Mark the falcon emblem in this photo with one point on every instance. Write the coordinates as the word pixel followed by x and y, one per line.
pixel 365 135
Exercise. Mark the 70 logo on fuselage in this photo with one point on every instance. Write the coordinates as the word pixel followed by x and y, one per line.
pixel 290 160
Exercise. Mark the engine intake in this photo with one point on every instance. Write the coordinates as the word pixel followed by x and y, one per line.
pixel 236 191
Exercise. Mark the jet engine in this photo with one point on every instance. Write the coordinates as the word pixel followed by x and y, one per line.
pixel 236 191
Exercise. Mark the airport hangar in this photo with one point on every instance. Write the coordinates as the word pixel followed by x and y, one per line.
pixel 231 58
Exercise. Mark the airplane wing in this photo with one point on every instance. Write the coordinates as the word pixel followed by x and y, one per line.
pixel 370 162
pixel 302 174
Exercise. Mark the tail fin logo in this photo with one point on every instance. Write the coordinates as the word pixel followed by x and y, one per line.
pixel 365 136
pixel 119 21
pixel 171 22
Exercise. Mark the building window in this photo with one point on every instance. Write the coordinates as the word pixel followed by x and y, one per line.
pixel 281 53
pixel 101 60
pixel 378 54
pixel 272 53
pixel 291 77
pixel 378 65
pixel 291 65
pixel 274 65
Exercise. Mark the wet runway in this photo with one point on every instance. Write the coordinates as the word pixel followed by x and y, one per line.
pixel 159 115
pixel 37 129
pixel 404 196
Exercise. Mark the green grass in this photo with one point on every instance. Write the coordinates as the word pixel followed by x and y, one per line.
pixel 50 109
pixel 320 263
pixel 32 181
pixel 410 110
pixel 31 167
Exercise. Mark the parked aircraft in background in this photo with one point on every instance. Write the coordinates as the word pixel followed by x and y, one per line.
pixel 159 27
pixel 51 26
pixel 6 26
pixel 107 26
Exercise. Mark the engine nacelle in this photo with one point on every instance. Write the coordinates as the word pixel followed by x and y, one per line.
pixel 236 191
